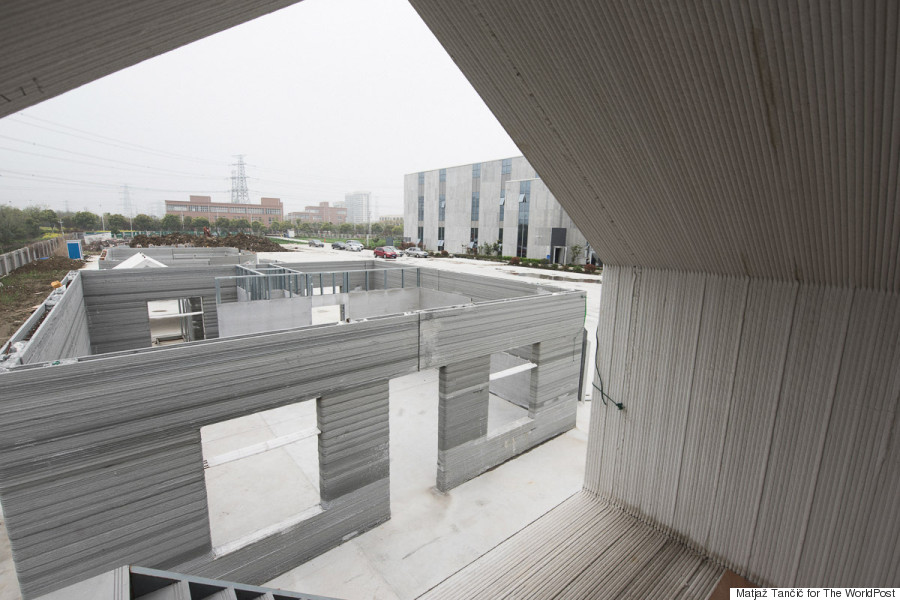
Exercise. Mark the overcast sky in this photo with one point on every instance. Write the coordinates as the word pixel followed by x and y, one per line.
pixel 323 98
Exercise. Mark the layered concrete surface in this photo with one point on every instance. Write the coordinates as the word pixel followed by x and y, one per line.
pixel 432 535
pixel 733 164
pixel 429 536
pixel 95 484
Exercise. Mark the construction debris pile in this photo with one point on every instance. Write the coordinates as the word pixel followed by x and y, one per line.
pixel 240 241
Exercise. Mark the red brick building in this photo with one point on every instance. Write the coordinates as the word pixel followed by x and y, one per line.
pixel 268 210
pixel 323 213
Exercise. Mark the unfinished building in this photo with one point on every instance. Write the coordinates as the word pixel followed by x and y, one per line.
pixel 100 443
pixel 734 165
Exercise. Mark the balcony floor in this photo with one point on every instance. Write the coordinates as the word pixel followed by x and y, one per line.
pixel 584 548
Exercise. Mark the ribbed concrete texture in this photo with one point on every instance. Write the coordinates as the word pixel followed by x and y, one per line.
pixel 116 302
pixel 463 402
pixel 353 446
pixel 584 548
pixel 741 137
pixel 737 162
pixel 100 455
pixel 466 447
pixel 179 257
pixel 69 513
pixel 53 48
pixel 758 421
pixel 61 327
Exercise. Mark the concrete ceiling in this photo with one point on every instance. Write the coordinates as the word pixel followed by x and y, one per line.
pixel 748 137
pixel 49 47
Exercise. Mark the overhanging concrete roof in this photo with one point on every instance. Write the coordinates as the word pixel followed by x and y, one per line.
pixel 741 138
pixel 50 47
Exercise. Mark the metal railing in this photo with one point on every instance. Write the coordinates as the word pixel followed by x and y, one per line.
pixel 267 282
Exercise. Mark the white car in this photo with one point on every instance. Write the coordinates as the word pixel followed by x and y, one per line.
pixel 353 246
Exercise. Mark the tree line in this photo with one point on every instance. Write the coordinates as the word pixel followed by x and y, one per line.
pixel 21 226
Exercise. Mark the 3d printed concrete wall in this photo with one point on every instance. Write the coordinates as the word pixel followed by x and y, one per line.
pixel 100 457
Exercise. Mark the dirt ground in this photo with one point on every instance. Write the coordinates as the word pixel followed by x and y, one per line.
pixel 241 241
pixel 24 289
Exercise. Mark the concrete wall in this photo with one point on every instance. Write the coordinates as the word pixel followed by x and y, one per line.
pixel 429 298
pixel 10 261
pixel 411 206
pixel 465 446
pixel 760 421
pixel 180 257
pixel 106 468
pixel 116 302
pixel 100 459
pixel 64 330
pixel 362 305
pixel 257 316
pixel 476 287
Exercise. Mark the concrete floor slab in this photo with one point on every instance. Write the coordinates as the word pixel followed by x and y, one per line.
pixel 502 412
pixel 430 534
pixel 234 434
pixel 256 492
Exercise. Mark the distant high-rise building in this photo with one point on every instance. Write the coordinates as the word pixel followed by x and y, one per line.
pixel 359 209
pixel 320 214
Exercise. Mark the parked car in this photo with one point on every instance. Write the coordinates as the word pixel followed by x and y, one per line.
pixel 416 252
pixel 353 246
pixel 317 243
pixel 338 245
pixel 386 252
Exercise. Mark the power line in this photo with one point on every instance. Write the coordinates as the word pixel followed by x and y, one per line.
pixel 6 173
pixel 166 172
pixel 109 140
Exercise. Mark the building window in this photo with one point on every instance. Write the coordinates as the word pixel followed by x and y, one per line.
pixel 506 166
pixel 421 208
pixel 442 208
pixel 476 170
pixel 500 238
pixel 443 175
pixel 421 233
pixel 524 208
pixel 422 178
pixel 175 321
pixel 440 237
pixel 476 205
pixel 473 234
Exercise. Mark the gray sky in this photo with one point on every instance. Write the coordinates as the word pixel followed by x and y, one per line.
pixel 323 98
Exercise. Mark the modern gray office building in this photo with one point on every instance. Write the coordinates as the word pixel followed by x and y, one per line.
pixel 502 201
pixel 359 207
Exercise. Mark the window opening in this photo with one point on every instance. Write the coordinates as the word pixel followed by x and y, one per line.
pixel 175 321
pixel 261 471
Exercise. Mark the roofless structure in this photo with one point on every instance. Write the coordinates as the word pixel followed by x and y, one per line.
pixel 734 165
